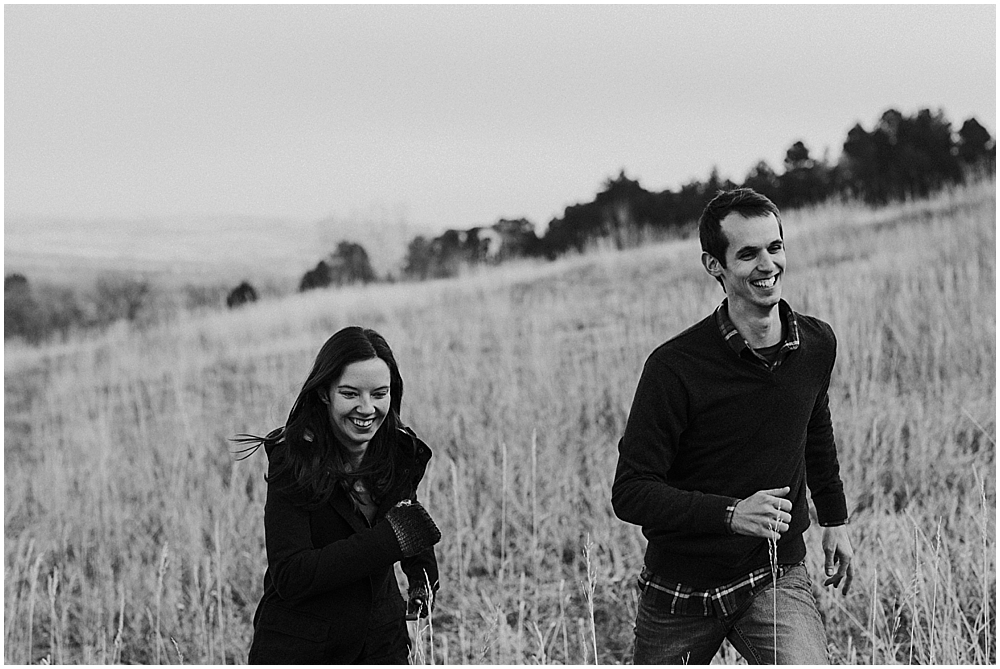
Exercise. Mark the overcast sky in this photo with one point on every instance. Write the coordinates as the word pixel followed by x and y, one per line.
pixel 450 116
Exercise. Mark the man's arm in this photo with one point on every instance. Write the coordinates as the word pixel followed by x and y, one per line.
pixel 827 489
pixel 822 465
pixel 640 494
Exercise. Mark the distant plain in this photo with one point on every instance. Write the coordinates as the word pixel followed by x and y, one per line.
pixel 178 250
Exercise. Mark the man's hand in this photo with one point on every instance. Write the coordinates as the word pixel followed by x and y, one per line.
pixel 763 514
pixel 838 552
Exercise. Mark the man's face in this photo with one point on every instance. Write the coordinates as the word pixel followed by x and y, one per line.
pixel 755 261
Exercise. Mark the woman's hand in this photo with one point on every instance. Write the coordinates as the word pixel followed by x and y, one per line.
pixel 419 602
pixel 415 531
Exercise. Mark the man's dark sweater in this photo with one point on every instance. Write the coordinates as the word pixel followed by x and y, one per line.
pixel 708 428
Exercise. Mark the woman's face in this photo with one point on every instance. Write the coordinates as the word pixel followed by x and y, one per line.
pixel 359 402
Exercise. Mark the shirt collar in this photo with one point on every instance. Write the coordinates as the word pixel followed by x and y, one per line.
pixel 738 344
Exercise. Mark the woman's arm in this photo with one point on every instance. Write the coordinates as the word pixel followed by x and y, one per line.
pixel 421 569
pixel 422 581
pixel 298 569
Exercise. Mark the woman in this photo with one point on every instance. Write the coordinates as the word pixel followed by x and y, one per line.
pixel 341 509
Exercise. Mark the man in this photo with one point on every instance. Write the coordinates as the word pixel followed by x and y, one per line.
pixel 729 422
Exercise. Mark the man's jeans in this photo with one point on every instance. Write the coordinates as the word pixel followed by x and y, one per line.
pixel 662 638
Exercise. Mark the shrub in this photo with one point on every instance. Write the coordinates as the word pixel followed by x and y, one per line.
pixel 21 316
pixel 120 297
pixel 240 295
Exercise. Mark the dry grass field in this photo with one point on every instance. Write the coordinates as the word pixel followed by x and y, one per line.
pixel 131 534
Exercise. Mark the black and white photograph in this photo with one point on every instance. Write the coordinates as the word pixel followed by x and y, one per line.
pixel 500 334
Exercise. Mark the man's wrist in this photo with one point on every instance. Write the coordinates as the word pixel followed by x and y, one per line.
pixel 730 512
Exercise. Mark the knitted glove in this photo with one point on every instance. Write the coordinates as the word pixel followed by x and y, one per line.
pixel 419 602
pixel 415 531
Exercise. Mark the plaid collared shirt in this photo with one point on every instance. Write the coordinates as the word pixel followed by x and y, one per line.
pixel 743 349
pixel 721 602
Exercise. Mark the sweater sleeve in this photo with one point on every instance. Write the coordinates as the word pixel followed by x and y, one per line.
pixel 298 569
pixel 640 493
pixel 822 465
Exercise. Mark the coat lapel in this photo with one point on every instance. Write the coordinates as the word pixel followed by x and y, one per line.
pixel 344 507
pixel 387 503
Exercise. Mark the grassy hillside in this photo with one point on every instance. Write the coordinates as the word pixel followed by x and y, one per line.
pixel 132 536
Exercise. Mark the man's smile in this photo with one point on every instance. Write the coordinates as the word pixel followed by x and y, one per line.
pixel 765 283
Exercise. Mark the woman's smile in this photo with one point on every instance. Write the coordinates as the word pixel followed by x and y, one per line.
pixel 363 423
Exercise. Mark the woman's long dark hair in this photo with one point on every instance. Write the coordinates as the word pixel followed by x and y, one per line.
pixel 306 457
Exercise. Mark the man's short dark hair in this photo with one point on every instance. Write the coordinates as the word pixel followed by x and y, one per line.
pixel 746 202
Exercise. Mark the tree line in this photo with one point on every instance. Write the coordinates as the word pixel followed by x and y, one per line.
pixel 900 157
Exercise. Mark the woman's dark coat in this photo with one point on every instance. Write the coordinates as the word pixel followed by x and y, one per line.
pixel 326 566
